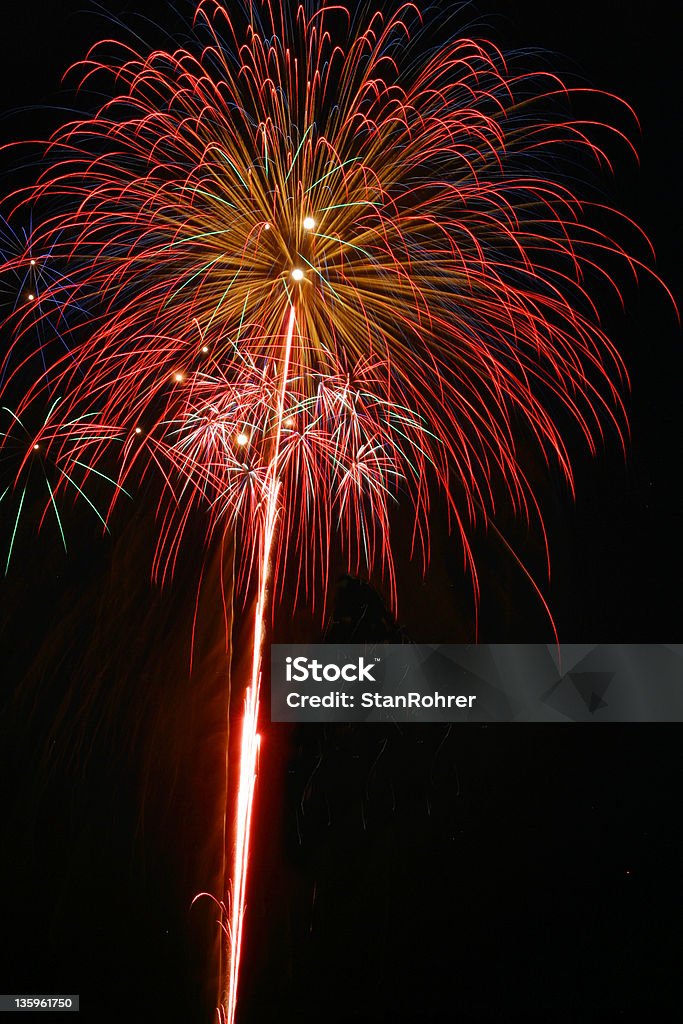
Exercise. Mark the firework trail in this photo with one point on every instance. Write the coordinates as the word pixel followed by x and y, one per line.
pixel 328 268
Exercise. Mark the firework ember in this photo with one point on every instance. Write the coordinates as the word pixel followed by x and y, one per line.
pixel 327 269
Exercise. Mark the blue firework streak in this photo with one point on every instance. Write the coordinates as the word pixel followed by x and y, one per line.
pixel 33 289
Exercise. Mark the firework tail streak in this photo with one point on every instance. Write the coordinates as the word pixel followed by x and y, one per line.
pixel 250 739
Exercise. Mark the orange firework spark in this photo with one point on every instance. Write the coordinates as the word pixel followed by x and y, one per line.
pixel 326 268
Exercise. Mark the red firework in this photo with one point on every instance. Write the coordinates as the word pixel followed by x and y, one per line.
pixel 323 274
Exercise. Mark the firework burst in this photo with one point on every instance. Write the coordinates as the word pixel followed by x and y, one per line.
pixel 397 210
pixel 48 457
pixel 31 288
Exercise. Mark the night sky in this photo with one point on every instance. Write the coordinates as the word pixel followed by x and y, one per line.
pixel 484 874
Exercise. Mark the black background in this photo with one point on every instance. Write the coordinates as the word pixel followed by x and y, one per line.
pixel 484 874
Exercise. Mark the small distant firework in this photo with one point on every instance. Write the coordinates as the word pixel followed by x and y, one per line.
pixel 48 458
pixel 31 288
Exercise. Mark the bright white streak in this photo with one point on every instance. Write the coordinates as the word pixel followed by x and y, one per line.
pixel 250 739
